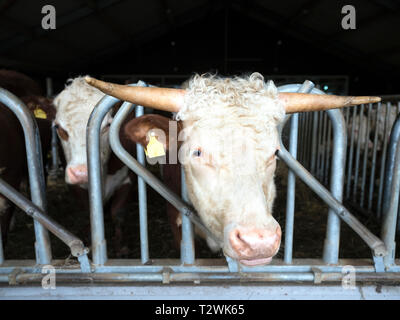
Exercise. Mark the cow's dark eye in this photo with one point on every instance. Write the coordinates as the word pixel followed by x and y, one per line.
pixel 197 153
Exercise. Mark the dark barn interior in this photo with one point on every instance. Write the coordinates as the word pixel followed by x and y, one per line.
pixel 185 37
pixel 165 40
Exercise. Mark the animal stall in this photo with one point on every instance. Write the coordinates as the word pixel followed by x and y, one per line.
pixel 23 277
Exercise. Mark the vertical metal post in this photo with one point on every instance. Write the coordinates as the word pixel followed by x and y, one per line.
pixel 142 194
pixel 364 168
pixel 390 164
pixel 1 248
pixel 99 249
pixel 328 146
pixel 391 194
pixel 350 162
pixel 357 160
pixel 372 176
pixel 306 87
pixel 314 141
pixel 187 243
pixel 383 161
pixel 325 150
pixel 331 244
pixel 35 170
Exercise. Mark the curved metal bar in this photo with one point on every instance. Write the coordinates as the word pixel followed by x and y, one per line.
pixel 35 169
pixel 306 87
pixel 99 249
pixel 391 193
pixel 336 207
pixel 331 245
pixel 390 163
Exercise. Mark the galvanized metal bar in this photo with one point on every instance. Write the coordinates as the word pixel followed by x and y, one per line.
pixel 142 194
pixel 329 152
pixel 187 243
pixel 314 137
pixel 383 159
pixel 74 243
pixel 350 161
pixel 324 148
pixel 332 239
pixel 310 132
pixel 319 145
pixel 391 193
pixel 374 152
pixel 390 164
pixel 338 209
pixel 1 248
pixel 201 266
pixel 358 148
pixel 169 278
pixel 35 169
pixel 365 158
pixel 300 138
pixel 331 246
pixel 306 87
pixel 99 249
pixel 388 231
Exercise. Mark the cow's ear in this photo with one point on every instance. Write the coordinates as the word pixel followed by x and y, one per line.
pixel 140 129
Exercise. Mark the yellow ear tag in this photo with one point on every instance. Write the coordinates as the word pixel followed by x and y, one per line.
pixel 154 148
pixel 39 113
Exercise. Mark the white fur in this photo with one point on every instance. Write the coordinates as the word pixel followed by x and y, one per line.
pixel 234 123
pixel 74 106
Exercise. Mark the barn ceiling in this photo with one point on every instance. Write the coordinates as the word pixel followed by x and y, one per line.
pixel 171 36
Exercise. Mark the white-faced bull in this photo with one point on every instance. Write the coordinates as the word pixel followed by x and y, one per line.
pixel 232 188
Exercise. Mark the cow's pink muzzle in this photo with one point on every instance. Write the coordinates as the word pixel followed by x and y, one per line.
pixel 255 246
pixel 77 174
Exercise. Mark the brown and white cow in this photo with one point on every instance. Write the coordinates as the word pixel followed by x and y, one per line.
pixel 13 167
pixel 74 105
pixel 228 153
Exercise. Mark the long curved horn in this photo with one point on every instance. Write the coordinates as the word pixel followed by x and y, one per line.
pixel 301 102
pixel 165 99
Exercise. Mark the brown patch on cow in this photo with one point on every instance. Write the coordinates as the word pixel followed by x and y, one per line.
pixel 38 102
pixel 137 129
pixel 63 134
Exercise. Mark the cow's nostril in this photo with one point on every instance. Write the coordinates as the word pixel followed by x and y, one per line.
pixel 249 243
pixel 77 174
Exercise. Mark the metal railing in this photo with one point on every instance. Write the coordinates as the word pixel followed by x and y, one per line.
pixel 37 207
pixel 188 268
pixel 368 128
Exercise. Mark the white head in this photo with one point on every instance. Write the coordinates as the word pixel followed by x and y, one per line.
pixel 74 105
pixel 230 141
pixel 231 138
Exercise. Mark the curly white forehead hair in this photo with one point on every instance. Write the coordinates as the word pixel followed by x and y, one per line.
pixel 248 100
